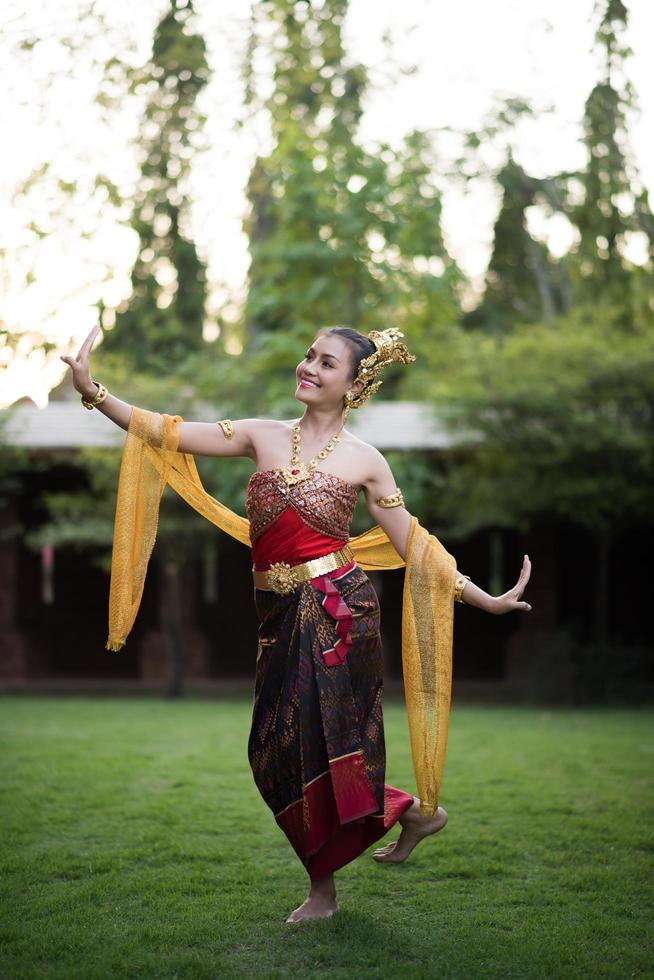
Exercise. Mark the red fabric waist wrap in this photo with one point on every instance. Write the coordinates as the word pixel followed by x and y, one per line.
pixel 289 539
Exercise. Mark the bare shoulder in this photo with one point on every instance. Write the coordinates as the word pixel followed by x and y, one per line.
pixel 271 439
pixel 262 429
pixel 267 426
pixel 370 463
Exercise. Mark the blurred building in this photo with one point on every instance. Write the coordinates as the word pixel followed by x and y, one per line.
pixel 53 603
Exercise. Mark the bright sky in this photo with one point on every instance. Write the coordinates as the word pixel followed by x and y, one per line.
pixel 467 53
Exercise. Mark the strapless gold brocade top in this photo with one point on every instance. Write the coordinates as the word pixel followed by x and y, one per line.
pixel 324 502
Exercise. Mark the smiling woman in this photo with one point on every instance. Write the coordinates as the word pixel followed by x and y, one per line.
pixel 316 745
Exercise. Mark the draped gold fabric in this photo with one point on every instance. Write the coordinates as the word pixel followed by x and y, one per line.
pixel 150 460
pixel 427 626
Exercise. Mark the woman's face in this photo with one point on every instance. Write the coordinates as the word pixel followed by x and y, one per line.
pixel 325 373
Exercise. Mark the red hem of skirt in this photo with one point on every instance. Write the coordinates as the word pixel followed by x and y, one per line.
pixel 326 839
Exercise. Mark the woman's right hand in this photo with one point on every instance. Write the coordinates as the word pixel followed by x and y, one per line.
pixel 79 365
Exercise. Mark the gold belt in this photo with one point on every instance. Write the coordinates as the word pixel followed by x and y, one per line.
pixel 284 578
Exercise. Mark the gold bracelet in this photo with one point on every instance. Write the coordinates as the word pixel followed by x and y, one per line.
pixel 459 586
pixel 98 398
pixel 393 500
pixel 228 428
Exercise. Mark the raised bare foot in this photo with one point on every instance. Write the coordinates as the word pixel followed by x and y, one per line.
pixel 414 828
pixel 315 907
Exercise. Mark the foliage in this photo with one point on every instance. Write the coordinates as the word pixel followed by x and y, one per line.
pixel 159 325
pixel 614 206
pixel 68 192
pixel 553 413
pixel 523 280
pixel 163 319
pixel 339 233
pixel 546 385
pixel 13 462
pixel 604 202
pixel 84 518
pixel 555 420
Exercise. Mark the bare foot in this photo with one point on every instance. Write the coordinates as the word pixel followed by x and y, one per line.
pixel 316 907
pixel 414 829
pixel 321 903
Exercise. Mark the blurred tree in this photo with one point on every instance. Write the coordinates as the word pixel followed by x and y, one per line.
pixel 523 281
pixel 563 414
pixel 338 233
pixel 161 325
pixel 162 321
pixel 83 520
pixel 65 79
pixel 555 421
pixel 610 260
pixel 149 352
pixel 607 201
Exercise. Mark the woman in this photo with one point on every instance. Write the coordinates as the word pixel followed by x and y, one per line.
pixel 316 745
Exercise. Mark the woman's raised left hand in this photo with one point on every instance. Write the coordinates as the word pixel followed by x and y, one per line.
pixel 512 599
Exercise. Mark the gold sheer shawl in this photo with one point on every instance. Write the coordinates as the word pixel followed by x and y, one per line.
pixel 150 461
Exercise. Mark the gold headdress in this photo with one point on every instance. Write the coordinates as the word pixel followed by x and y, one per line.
pixel 389 348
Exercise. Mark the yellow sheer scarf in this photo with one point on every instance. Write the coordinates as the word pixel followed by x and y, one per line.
pixel 150 460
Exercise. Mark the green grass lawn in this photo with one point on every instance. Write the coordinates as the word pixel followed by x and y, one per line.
pixel 135 845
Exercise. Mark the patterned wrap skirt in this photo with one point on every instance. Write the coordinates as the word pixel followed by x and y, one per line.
pixel 316 745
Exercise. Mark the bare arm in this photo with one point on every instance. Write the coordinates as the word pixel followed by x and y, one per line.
pixel 199 438
pixel 396 522
pixel 115 409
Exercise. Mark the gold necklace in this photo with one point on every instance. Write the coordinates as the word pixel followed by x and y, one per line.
pixel 297 471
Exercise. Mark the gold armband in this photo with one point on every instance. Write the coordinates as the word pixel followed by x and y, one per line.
pixel 97 399
pixel 459 586
pixel 227 427
pixel 394 500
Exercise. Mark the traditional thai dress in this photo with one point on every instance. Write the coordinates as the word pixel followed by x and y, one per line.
pixel 316 746
pixel 317 741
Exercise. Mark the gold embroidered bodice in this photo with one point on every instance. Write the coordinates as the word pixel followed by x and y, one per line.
pixel 324 502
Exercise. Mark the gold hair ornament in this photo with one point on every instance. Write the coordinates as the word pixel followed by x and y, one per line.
pixel 389 349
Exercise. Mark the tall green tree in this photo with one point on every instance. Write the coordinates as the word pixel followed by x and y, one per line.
pixel 150 351
pixel 607 201
pixel 559 400
pixel 339 232
pixel 163 319
pixel 555 421
pixel 523 282
pixel 159 333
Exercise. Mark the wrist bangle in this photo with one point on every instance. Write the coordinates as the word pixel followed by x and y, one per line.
pixel 459 586
pixel 98 398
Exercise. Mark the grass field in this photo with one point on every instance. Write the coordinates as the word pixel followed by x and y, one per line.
pixel 135 845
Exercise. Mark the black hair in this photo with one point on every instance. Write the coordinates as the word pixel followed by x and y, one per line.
pixel 360 346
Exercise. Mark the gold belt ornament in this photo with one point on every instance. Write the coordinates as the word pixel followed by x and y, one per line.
pixel 284 578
